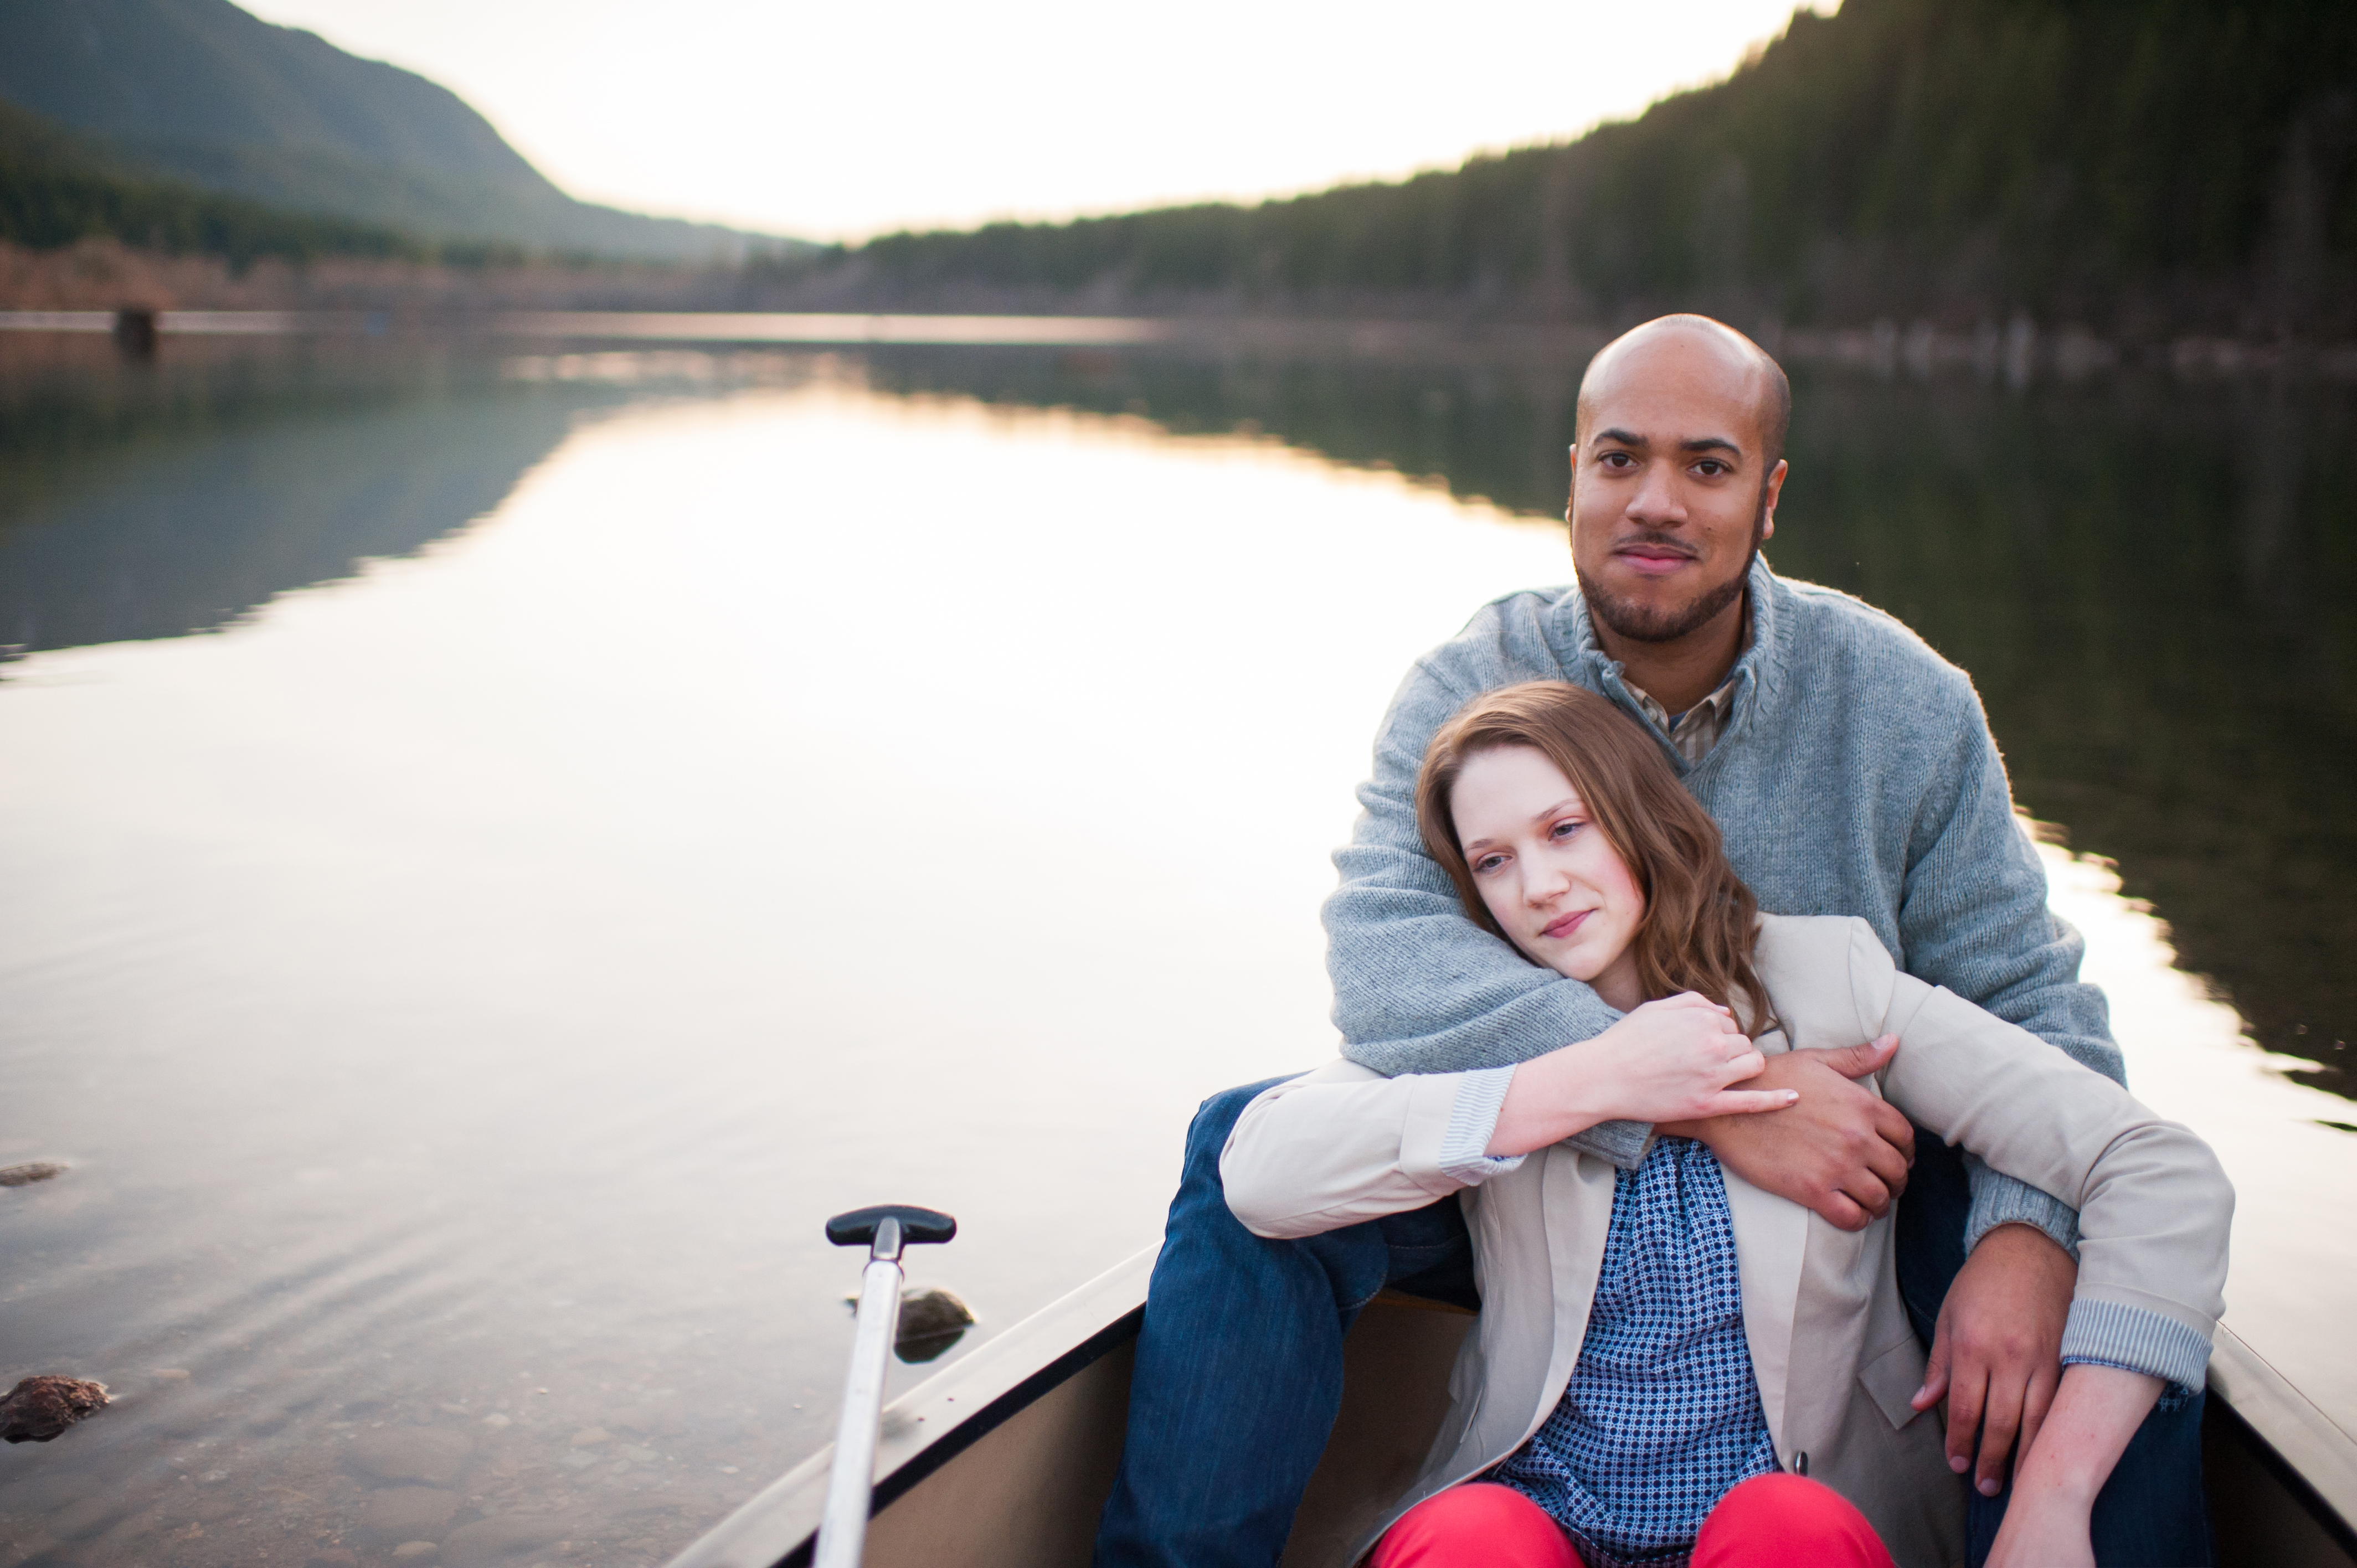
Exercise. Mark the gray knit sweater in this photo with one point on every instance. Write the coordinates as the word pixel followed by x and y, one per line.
pixel 1857 775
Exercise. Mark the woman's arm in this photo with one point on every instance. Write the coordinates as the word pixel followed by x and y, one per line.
pixel 1344 1145
pixel 2154 1206
pixel 1339 1147
pixel 2095 1413
pixel 1668 1061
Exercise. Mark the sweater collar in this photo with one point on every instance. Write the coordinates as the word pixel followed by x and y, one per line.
pixel 1573 634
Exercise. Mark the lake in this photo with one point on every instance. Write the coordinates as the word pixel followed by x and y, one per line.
pixel 498 845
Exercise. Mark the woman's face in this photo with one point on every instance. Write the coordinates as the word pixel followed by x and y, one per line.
pixel 1551 880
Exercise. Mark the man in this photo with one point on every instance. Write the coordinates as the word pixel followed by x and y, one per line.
pixel 1852 773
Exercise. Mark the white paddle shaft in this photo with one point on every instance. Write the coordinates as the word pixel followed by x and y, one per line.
pixel 842 1529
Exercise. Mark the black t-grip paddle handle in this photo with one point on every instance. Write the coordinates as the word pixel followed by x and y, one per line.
pixel 851 1480
pixel 858 1227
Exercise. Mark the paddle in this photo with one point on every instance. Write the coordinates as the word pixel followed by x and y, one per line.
pixel 886 1228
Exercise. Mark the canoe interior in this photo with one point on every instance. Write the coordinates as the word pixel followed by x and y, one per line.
pixel 1004 1459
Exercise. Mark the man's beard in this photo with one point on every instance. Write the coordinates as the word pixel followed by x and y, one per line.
pixel 1648 623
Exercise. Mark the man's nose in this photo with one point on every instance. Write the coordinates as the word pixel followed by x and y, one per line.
pixel 1657 499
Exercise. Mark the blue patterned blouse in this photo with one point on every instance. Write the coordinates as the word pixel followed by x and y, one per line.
pixel 1661 1417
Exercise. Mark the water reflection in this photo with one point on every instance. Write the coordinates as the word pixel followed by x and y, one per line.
pixel 2153 582
pixel 176 500
pixel 459 994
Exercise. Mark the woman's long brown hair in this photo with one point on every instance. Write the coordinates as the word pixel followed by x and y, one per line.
pixel 1700 920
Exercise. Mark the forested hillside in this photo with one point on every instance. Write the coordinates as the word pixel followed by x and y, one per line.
pixel 2133 164
pixel 57 189
pixel 199 92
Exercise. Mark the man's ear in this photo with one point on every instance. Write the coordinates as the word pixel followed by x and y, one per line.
pixel 1771 490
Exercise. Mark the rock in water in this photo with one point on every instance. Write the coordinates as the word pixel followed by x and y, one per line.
pixel 930 1322
pixel 39 1408
pixel 430 1454
pixel 26 1175
pixel 407 1513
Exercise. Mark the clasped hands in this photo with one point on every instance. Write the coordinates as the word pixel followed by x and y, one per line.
pixel 1802 1125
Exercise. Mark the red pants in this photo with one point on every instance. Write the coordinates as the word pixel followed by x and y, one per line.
pixel 1768 1522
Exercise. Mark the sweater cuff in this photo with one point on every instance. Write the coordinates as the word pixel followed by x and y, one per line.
pixel 1999 1200
pixel 2113 1334
pixel 1624 1144
pixel 1472 1123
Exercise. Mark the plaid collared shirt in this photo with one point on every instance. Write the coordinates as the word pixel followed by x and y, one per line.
pixel 1697 730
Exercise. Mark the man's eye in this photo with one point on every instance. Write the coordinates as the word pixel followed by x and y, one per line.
pixel 1710 469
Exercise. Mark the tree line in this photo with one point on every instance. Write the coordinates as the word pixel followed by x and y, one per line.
pixel 56 189
pixel 2135 165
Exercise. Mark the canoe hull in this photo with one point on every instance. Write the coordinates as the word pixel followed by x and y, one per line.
pixel 1005 1458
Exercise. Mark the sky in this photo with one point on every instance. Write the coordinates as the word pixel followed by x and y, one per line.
pixel 838 120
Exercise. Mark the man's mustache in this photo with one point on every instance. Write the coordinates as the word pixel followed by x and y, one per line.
pixel 1669 543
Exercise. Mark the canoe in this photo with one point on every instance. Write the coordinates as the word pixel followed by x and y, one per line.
pixel 1004 1458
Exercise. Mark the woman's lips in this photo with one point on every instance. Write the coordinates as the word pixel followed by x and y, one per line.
pixel 1562 926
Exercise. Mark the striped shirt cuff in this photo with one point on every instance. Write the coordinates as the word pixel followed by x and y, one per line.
pixel 2000 1200
pixel 1472 1123
pixel 2113 1334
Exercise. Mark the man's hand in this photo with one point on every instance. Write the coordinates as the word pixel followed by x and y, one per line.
pixel 1997 1355
pixel 1842 1151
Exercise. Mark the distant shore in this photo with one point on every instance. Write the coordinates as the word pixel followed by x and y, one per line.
pixel 82 287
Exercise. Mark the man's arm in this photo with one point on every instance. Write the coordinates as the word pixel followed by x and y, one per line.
pixel 1418 987
pixel 1972 916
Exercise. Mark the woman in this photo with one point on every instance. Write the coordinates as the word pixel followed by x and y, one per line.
pixel 1663 1354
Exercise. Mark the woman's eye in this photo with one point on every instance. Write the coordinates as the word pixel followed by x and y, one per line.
pixel 1564 829
pixel 1488 864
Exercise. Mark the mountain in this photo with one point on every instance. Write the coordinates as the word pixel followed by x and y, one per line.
pixel 2139 167
pixel 201 92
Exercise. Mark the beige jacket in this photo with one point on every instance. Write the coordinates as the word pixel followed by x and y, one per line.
pixel 1830 1343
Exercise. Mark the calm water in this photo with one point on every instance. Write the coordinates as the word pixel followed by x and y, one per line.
pixel 497 851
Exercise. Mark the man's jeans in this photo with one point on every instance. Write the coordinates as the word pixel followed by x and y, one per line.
pixel 1239 1370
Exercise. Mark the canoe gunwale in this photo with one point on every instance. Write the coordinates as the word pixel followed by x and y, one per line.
pixel 2306 1449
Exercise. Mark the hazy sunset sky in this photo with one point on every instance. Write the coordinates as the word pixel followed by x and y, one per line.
pixel 842 119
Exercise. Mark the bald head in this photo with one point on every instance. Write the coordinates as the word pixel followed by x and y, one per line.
pixel 1694 351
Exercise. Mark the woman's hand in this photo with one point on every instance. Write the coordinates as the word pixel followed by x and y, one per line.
pixel 2095 1413
pixel 1669 1061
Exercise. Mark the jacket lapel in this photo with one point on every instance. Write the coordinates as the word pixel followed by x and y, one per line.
pixel 1578 1197
pixel 1771 1238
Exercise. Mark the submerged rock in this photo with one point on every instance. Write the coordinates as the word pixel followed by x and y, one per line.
pixel 407 1513
pixel 429 1454
pixel 39 1408
pixel 26 1175
pixel 497 1541
pixel 930 1322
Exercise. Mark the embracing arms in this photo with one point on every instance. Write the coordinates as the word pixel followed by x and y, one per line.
pixel 1345 1144
pixel 1420 989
